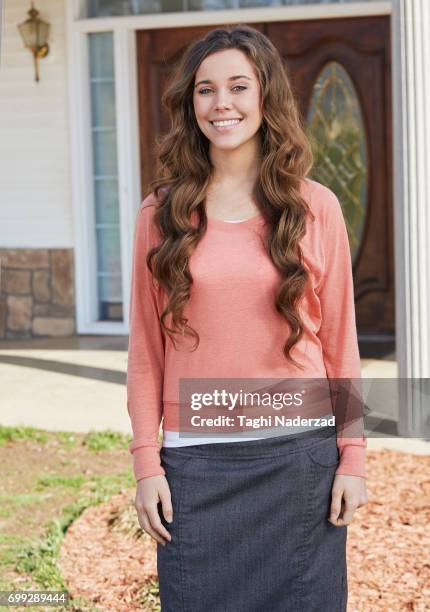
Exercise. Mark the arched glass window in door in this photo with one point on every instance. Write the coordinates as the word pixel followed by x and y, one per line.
pixel 335 128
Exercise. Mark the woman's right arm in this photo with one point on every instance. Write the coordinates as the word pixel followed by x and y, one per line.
pixel 145 371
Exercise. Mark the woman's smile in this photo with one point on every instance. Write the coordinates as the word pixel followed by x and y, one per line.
pixel 225 125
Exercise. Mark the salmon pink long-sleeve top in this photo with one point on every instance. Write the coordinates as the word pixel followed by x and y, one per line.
pixel 231 306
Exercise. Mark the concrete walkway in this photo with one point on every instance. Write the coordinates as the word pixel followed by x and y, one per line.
pixel 78 384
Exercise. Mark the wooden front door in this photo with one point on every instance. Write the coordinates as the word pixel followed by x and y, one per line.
pixel 341 72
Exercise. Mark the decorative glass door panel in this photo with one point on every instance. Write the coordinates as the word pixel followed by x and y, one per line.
pixel 336 131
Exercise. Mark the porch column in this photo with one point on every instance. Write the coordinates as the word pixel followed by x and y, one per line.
pixel 411 125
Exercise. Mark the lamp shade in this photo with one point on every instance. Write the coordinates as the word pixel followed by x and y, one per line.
pixel 34 32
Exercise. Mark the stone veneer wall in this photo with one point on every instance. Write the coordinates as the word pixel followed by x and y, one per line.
pixel 37 293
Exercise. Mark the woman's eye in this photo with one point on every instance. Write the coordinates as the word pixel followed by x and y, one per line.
pixel 241 87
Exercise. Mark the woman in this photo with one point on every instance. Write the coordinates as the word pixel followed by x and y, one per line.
pixel 235 240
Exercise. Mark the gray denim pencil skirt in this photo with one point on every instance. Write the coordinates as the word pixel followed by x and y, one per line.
pixel 250 529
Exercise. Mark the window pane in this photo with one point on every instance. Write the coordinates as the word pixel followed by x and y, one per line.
pixel 106 200
pixel 103 103
pixel 104 152
pixel 105 179
pixel 104 8
pixel 108 247
pixel 101 55
pixel 250 3
pixel 110 306
pixel 209 5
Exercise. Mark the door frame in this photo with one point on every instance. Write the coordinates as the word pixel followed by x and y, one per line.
pixel 129 180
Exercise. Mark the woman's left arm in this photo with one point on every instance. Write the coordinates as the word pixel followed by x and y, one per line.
pixel 338 335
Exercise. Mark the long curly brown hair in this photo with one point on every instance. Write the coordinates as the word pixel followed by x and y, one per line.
pixel 184 171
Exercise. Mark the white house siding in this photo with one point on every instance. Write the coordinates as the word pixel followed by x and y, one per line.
pixel 36 225
pixel 35 208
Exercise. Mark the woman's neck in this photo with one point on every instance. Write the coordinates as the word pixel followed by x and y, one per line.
pixel 237 167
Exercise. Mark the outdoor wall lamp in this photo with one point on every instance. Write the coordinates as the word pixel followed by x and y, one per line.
pixel 34 33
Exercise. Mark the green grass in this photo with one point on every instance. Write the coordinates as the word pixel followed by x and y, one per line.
pixel 67 438
pixel 55 480
pixel 16 500
pixel 10 547
pixel 106 440
pixel 38 558
pixel 12 434
pixel 111 484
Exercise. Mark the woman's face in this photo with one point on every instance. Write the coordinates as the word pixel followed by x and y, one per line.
pixel 230 91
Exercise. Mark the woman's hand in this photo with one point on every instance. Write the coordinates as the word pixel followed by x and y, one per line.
pixel 149 492
pixel 348 493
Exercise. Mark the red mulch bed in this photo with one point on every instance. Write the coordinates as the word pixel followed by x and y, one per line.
pixel 103 561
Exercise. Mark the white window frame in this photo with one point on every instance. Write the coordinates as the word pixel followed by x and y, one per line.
pixel 127 118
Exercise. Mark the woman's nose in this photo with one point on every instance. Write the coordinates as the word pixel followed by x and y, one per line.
pixel 223 100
